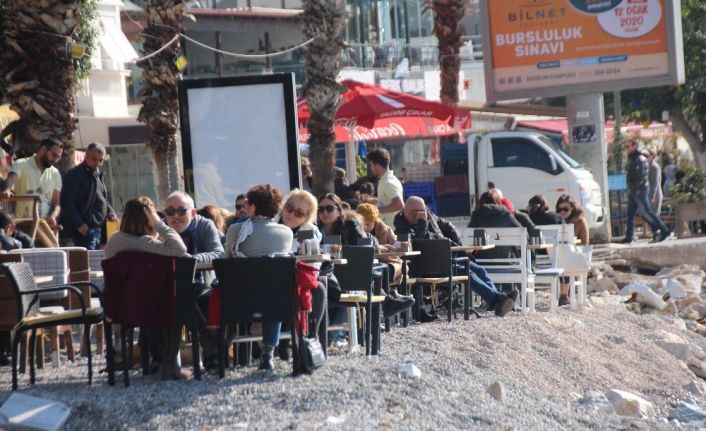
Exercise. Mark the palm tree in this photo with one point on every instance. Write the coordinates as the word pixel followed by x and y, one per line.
pixel 160 104
pixel 323 20
pixel 447 28
pixel 37 74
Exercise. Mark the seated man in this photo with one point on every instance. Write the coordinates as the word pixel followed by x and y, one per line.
pixel 202 242
pixel 11 238
pixel 420 223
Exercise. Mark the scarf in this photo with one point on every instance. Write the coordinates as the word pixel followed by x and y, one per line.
pixel 245 230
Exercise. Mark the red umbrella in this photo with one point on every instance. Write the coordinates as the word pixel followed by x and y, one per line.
pixel 363 104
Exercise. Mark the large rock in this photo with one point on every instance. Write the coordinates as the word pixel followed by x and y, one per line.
pixel 673 287
pixel 595 401
pixel 674 344
pixel 604 284
pixel 628 404
pixel 665 254
pixel 689 414
pixel 497 391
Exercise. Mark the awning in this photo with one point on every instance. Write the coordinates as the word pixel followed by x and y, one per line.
pixel 552 126
pixel 114 42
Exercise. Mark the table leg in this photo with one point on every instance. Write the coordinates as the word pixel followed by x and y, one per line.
pixel 405 313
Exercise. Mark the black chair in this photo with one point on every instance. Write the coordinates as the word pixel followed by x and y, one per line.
pixel 187 313
pixel 357 274
pixel 256 289
pixel 27 293
pixel 435 266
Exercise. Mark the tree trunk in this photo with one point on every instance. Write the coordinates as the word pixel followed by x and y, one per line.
pixel 698 146
pixel 447 28
pixel 36 72
pixel 160 103
pixel 325 20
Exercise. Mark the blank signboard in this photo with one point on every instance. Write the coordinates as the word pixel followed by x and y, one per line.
pixel 238 132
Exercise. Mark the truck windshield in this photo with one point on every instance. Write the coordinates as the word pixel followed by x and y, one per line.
pixel 567 158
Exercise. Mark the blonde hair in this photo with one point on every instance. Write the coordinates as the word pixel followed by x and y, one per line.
pixel 369 212
pixel 309 201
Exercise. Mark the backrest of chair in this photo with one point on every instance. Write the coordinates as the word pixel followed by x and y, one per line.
pixel 8 304
pixel 566 234
pixel 357 274
pixel 551 234
pixel 435 260
pixel 184 271
pixel 95 257
pixel 256 287
pixel 21 278
pixel 47 261
pixel 507 237
pixel 77 258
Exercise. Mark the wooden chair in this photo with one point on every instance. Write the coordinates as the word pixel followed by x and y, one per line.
pixel 27 218
pixel 30 319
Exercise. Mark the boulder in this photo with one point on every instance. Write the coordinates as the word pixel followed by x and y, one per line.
pixel 674 344
pixel 695 387
pixel 689 414
pixel 595 401
pixel 688 301
pixel 666 254
pixel 698 367
pixel 628 404
pixel 497 391
pixel 672 287
pixel 674 271
pixel 604 284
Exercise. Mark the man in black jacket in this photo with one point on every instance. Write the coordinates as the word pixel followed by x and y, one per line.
pixel 84 200
pixel 638 190
pixel 417 220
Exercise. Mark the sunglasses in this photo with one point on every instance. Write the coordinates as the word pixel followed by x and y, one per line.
pixel 239 207
pixel 564 209
pixel 293 210
pixel 172 211
pixel 327 209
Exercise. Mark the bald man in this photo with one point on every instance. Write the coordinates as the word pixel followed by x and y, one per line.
pixel 417 220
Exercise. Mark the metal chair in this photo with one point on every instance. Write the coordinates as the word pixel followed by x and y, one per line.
pixel 186 312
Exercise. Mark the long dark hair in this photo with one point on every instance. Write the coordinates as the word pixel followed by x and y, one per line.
pixel 576 208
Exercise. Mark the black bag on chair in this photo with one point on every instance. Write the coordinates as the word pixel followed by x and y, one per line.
pixel 311 354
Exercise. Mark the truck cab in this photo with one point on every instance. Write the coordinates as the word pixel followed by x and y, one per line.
pixel 523 164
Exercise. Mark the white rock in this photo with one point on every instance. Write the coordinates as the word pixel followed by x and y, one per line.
pixel 695 387
pixel 689 414
pixel 497 391
pixel 335 420
pixel 604 284
pixel 628 404
pixel 645 295
pixel 691 283
pixel 410 369
pixel 671 286
pixel 595 401
pixel 674 344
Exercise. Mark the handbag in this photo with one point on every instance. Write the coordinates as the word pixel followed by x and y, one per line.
pixel 311 354
pixel 573 258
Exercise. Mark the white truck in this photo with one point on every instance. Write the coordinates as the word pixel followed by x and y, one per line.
pixel 523 164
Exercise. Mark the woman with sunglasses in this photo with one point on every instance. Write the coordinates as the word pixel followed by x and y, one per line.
pixel 333 220
pixel 260 236
pixel 571 211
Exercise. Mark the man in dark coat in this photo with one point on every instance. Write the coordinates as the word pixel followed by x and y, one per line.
pixel 638 192
pixel 84 200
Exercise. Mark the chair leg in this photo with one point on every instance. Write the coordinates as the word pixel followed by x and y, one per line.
pixel 144 352
pixel 376 329
pixel 352 328
pixel 39 352
pixel 553 295
pixel 130 337
pixel 68 337
pixel 99 338
pixel 449 300
pixel 32 354
pixel 195 354
pixel 24 351
pixel 221 353
pixel 15 345
pixel 109 353
pixel 125 354
pixel 323 330
pixel 54 345
pixel 368 326
pixel 89 354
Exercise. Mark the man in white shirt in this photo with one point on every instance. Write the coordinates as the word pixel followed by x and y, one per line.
pixel 390 192
pixel 37 175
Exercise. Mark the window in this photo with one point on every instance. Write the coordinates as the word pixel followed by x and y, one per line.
pixel 513 152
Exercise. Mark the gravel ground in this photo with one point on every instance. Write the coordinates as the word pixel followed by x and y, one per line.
pixel 545 362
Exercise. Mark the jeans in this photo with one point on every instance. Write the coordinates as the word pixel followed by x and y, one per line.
pixel 638 202
pixel 91 241
pixel 270 333
pixel 482 284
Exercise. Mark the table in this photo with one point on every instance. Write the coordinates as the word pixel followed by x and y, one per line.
pixel 471 248
pixel 95 274
pixel 401 254
pixel 315 258
pixel 39 279
pixel 544 246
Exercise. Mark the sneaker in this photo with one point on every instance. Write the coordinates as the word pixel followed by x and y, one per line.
pixel 666 236
pixel 564 300
pixel 340 343
pixel 426 317
pixel 628 241
pixel 503 305
pixel 391 306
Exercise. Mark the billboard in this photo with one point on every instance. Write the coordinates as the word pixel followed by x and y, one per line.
pixel 538 48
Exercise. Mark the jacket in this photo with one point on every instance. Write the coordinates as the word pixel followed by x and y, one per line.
pixel 202 240
pixel 638 171
pixel 350 230
pixel 140 289
pixel 84 199
pixel 489 215
pixel 434 227
pixel 543 218
pixel 384 233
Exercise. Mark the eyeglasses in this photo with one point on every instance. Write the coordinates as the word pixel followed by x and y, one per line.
pixel 327 208
pixel 172 211
pixel 239 207
pixel 298 213
pixel 564 209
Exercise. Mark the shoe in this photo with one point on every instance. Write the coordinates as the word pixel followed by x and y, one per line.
pixel 283 350
pixel 564 300
pixel 503 305
pixel 514 294
pixel 395 294
pixel 4 360
pixel 666 236
pixel 426 317
pixel 391 306
pixel 340 342
pixel 627 241
pixel 266 354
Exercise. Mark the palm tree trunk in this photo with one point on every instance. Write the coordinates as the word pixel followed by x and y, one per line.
pixel 447 28
pixel 37 74
pixel 697 144
pixel 160 104
pixel 325 20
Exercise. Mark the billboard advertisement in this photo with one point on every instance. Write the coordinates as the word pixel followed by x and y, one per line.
pixel 560 47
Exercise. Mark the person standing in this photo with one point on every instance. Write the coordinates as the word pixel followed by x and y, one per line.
pixel 36 174
pixel 638 194
pixel 84 200
pixel 655 185
pixel 390 191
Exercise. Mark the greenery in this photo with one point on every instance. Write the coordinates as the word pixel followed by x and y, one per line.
pixel 361 166
pixel 86 32
pixel 691 188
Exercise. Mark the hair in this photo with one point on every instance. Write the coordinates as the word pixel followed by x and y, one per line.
pixel 490 197
pixel 380 156
pixel 48 143
pixel 540 201
pixel 183 196
pixel 339 173
pixel 367 188
pixel 214 214
pixel 577 210
pixel 239 197
pixel 369 212
pixel 308 199
pixel 6 219
pixel 134 221
pixel 96 146
pixel 266 199
pixel 637 142
pixel 336 201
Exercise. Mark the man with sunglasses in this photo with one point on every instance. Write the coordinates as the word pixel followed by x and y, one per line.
pixel 638 193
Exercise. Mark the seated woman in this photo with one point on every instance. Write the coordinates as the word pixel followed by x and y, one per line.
pixel 214 214
pixel 141 229
pixel 260 236
pixel 385 236
pixel 538 210
pixel 571 212
pixel 299 214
